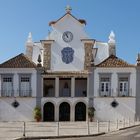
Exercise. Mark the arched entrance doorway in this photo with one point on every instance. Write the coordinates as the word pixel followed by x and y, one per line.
pixel 64 112
pixel 48 112
pixel 80 112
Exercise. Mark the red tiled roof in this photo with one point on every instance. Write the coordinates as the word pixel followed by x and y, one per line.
pixel 19 61
pixel 82 21
pixel 113 61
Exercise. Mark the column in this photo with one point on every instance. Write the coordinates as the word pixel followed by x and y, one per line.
pixel 73 87
pixel 57 87
pixel 87 86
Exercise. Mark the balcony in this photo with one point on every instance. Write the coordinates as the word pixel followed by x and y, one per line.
pixel 25 93
pixel 80 92
pixel 7 93
pixel 117 93
pixel 104 93
pixel 49 92
pixel 65 92
pixel 125 93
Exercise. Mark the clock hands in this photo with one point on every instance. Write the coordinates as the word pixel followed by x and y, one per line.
pixel 67 36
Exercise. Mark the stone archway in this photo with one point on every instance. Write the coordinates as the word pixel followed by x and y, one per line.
pixel 80 112
pixel 64 112
pixel 48 112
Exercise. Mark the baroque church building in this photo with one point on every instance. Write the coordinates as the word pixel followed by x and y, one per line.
pixel 65 74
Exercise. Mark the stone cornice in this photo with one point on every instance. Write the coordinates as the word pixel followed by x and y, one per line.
pixel 65 74
pixel 46 41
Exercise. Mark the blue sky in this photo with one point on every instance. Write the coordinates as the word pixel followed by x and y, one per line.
pixel 19 17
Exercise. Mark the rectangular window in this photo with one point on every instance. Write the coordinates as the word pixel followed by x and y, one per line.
pixel 105 86
pixel 25 85
pixel 123 86
pixel 7 86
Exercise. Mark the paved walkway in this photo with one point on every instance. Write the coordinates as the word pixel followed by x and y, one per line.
pixel 128 134
pixel 13 130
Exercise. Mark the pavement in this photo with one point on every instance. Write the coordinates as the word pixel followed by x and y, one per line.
pixel 42 130
pixel 126 134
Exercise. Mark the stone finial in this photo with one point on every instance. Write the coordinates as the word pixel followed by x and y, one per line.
pixel 29 39
pixel 68 9
pixel 39 58
pixel 39 61
pixel 29 46
pixel 112 38
pixel 112 44
pixel 138 60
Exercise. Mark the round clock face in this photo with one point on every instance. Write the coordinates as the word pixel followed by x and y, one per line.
pixel 67 36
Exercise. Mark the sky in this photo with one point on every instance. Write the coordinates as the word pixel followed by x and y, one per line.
pixel 19 17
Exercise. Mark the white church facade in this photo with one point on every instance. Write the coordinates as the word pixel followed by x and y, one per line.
pixel 65 74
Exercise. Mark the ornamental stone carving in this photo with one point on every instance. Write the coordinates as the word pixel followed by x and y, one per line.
pixel 67 55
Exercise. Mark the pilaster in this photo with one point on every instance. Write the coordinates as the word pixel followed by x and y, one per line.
pixel 137 91
pixel 88 55
pixel 72 114
pixel 47 53
pixel 88 46
pixel 16 84
pixel 39 87
pixel 0 84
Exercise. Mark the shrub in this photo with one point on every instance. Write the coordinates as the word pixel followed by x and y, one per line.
pixel 37 114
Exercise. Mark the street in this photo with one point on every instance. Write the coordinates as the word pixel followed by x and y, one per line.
pixel 127 134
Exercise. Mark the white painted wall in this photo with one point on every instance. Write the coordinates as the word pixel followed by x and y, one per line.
pixel 37 50
pixel 24 112
pixel 16 72
pixel 102 52
pixel 105 112
pixel 114 78
pixel 67 23
pixel 126 108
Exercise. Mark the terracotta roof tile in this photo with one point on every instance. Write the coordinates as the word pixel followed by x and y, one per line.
pixel 19 61
pixel 113 61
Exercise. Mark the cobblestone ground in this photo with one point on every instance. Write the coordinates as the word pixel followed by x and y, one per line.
pixel 12 130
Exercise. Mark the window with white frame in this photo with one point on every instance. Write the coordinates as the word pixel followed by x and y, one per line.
pixel 123 86
pixel 25 85
pixel 7 85
pixel 105 86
